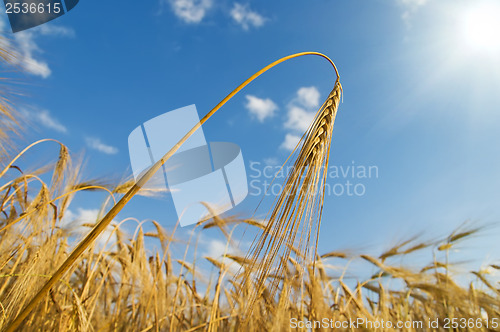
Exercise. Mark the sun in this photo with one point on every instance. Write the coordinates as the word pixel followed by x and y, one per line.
pixel 481 28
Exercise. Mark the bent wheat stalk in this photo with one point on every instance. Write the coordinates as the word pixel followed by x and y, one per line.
pixel 298 209
pixel 314 150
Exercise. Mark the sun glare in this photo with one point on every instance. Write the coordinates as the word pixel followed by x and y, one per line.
pixel 481 28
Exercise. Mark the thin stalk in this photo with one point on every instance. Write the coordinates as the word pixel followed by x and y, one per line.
pixel 113 212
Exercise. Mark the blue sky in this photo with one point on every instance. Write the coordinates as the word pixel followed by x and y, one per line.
pixel 421 100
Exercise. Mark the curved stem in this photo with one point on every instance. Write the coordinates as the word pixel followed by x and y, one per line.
pixel 2 173
pixel 106 220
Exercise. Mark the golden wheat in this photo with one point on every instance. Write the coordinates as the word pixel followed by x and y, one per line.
pixel 126 286
pixel 113 212
pixel 298 209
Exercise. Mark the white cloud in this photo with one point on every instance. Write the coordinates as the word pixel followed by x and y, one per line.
pixel 191 11
pixel 299 119
pixel 55 30
pixel 271 161
pixel 245 17
pixel 290 142
pixel 78 224
pixel 413 3
pixel 96 144
pixel 260 108
pixel 302 109
pixel 216 248
pixel 300 115
pixel 194 11
pixel 73 220
pixel 410 7
pixel 44 118
pixel 25 42
pixel 308 96
pixel 27 46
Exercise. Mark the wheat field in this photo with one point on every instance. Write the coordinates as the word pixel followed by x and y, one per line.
pixel 127 286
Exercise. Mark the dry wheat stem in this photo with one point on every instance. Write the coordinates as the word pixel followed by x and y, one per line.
pixel 106 220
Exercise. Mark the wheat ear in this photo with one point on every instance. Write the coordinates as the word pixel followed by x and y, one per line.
pixel 113 212
pixel 296 216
